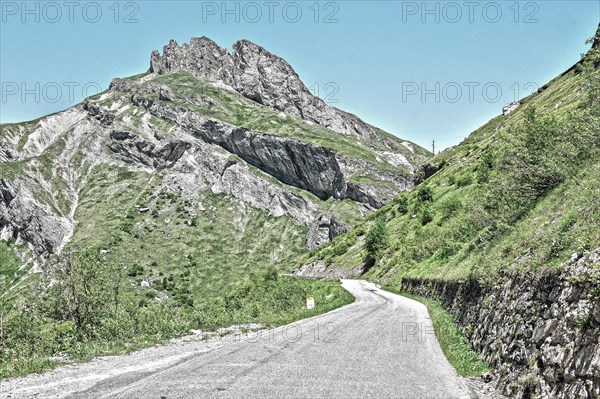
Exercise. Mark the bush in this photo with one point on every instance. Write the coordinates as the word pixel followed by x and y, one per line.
pixel 359 230
pixel 424 194
pixel 484 168
pixel 401 204
pixel 376 240
pixel 271 274
pixel 135 270
pixel 464 180
pixel 426 216
pixel 86 291
pixel 450 207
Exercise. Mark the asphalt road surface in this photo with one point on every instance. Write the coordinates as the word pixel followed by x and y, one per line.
pixel 381 346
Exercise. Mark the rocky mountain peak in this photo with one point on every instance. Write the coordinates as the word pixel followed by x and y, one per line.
pixel 258 75
pixel 203 57
pixel 203 41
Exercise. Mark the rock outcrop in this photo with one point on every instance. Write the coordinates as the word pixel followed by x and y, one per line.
pixel 132 147
pixel 424 172
pixel 291 161
pixel 317 169
pixel 27 220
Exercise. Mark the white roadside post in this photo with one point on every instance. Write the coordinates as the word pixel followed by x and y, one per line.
pixel 310 302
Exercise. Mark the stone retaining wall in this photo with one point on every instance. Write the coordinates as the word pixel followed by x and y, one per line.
pixel 540 331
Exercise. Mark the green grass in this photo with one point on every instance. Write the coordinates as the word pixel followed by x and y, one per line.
pixel 23 129
pixel 454 344
pixel 202 251
pixel 9 266
pixel 9 170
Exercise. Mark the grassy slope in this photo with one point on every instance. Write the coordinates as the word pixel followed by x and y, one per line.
pixel 201 253
pixel 456 242
pixel 9 266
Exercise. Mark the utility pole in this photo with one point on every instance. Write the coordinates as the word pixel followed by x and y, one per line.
pixel 433 147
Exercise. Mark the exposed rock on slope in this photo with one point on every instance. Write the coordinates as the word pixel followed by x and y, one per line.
pixel 132 147
pixel 317 169
pixel 23 217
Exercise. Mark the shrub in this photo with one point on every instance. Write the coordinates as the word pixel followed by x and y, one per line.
pixel 271 274
pixel 135 270
pixel 376 240
pixel 86 292
pixel 424 194
pixel 360 230
pixel 450 207
pixel 426 216
pixel 464 180
pixel 401 204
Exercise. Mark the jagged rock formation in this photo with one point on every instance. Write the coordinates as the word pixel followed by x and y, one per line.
pixel 136 149
pixel 258 75
pixel 180 123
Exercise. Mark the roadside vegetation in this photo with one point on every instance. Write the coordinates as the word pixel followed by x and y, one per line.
pixel 88 307
pixel 455 346
pixel 150 264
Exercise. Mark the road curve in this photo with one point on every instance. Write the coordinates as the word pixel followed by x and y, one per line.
pixel 380 346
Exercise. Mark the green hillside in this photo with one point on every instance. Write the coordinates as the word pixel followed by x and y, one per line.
pixel 519 193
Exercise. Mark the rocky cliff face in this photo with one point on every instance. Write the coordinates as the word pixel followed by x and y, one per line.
pixel 203 120
pixel 317 169
pixel 22 217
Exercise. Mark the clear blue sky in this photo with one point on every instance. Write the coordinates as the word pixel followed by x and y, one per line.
pixel 378 55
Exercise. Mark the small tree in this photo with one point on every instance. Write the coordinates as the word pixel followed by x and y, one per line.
pixel 271 274
pixel 424 194
pixel 376 241
pixel 86 291
pixel 401 204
